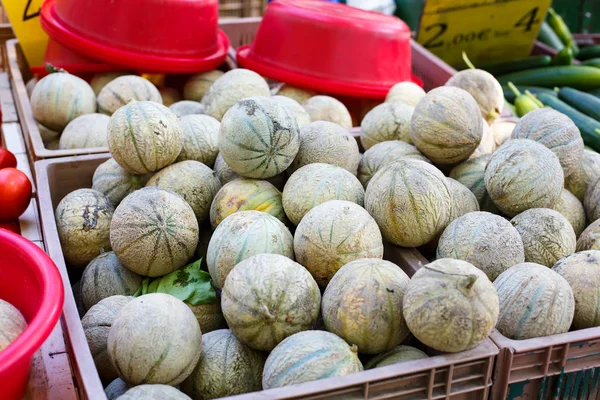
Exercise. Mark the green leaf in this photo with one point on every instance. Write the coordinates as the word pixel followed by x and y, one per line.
pixel 189 284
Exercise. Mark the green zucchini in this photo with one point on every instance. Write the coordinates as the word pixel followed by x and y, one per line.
pixel 520 64
pixel 584 102
pixel 547 36
pixel 595 92
pixel 589 52
pixel 561 29
pixel 592 62
pixel 589 127
pixel 576 76
pixel 510 96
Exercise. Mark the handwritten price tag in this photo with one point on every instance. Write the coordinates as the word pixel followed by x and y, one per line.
pixel 24 16
pixel 487 30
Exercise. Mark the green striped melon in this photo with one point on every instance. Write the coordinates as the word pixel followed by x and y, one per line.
pixel 144 137
pixel 523 174
pixel 59 98
pixel 85 131
pixel 122 90
pixel 450 305
pixel 485 240
pixel 586 175
pixel 243 235
pixel 267 298
pixel 328 143
pixel 115 183
pixel 326 108
pixel 155 338
pixel 209 316
pixel 385 153
pixel 582 272
pixel 96 326
pixel 463 200
pixel 405 92
pixel 446 125
pixel 258 138
pixel 590 237
pixel 535 301
pixel 200 139
pixel 557 132
pixel 398 354
pixel 572 209
pixel 102 79
pixel 158 392
pixel 411 202
pixel 186 107
pixel 198 85
pixel 227 367
pixel 314 184
pixel 232 87
pixel 333 234
pixel 547 235
pixel 387 121
pixel 48 135
pixel 154 232
pixel 116 388
pixel 169 96
pixel 309 356
pixel 12 324
pixel 302 117
pixel 193 181
pixel 484 88
pixel 471 174
pixel 105 276
pixel 224 171
pixel 363 305
pixel 83 219
pixel 245 194
pixel 295 93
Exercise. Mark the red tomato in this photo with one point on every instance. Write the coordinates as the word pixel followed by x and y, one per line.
pixel 7 159
pixel 15 193
pixel 12 226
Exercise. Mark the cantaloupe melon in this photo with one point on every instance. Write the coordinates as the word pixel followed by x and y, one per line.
pixel 572 209
pixel 450 305
pixel 146 392
pixel 102 79
pixel 233 86
pixel 484 88
pixel 104 277
pixel 471 174
pixel 116 388
pixel 154 232
pixel 85 131
pixel 12 324
pixel 48 135
pixel 405 92
pixel 396 355
pixel 334 233
pixel 590 237
pixel 245 194
pixel 446 125
pixel 209 316
pixel 198 85
pixel 53 145
pixel 387 121
pixel 309 356
pixel 587 174
pixel 226 174
pixel 193 181
pixel 243 235
pixel 582 272
pixel 83 220
pixel 122 90
pixel 487 144
pixel 144 137
pixel 463 200
pixel 411 202
pixel 363 305
pixel 30 85
pixel 96 326
pixel 315 184
pixel 547 235
pixel 155 338
pixel 267 298
pixel 535 301
pixel 591 202
pixel 186 107
pixel 328 143
pixel 295 93
pixel 227 367
pixel 115 183
pixel 59 98
pixel 485 240
pixel 502 131
pixel 169 96
pixel 385 153
pixel 326 108
pixel 523 174
pixel 259 138
pixel 302 117
pixel 200 139
pixel 557 132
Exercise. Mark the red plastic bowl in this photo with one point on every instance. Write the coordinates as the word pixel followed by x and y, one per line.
pixel 149 35
pixel 30 281
pixel 330 47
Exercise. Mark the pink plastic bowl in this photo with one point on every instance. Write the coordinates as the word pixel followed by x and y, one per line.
pixel 330 47
pixel 30 281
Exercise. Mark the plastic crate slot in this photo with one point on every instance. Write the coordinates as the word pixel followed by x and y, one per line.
pixel 401 386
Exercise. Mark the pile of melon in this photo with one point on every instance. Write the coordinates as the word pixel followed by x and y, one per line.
pixel 243 249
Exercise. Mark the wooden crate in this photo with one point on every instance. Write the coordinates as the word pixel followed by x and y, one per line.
pixel 241 8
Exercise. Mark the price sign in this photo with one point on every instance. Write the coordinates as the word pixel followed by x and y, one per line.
pixel 24 16
pixel 487 30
